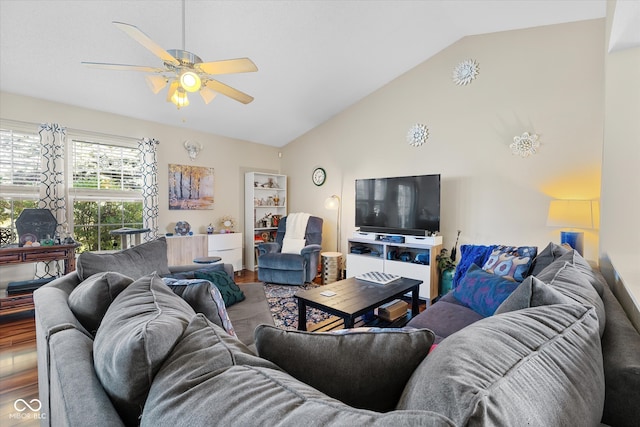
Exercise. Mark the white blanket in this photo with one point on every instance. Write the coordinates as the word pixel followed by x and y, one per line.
pixel 294 240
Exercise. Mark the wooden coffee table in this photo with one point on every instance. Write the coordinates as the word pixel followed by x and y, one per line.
pixel 354 298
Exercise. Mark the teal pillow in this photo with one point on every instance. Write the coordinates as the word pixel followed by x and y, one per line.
pixel 231 293
pixel 483 292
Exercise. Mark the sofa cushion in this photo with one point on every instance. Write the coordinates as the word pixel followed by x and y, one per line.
pixel 567 279
pixel 212 379
pixel 230 292
pixel 204 298
pixel 537 366
pixel 583 266
pixel 549 254
pixel 190 273
pixel 532 292
pixel 445 317
pixel 136 335
pixel 511 262
pixel 391 354
pixel 482 291
pixel 470 254
pixel 134 262
pixel 91 299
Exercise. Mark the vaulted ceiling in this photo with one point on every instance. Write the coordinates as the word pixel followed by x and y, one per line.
pixel 315 58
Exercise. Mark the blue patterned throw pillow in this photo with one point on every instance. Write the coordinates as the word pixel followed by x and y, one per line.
pixel 470 254
pixel 511 262
pixel 483 292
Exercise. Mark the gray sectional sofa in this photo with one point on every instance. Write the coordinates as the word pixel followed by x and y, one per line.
pixel 155 360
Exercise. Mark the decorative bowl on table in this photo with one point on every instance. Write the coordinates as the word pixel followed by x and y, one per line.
pixel 182 228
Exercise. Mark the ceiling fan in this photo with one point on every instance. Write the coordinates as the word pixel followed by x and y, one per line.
pixel 183 71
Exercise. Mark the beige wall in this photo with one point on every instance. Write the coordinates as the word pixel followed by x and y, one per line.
pixel 230 158
pixel 620 234
pixel 545 80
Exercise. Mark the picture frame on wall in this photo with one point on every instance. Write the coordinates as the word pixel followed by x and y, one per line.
pixel 190 187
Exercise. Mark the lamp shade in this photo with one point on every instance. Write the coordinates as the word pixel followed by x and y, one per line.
pixel 332 203
pixel 571 213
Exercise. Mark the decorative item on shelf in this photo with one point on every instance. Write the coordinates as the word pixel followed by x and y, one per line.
pixel 465 72
pixel 182 228
pixel 573 214
pixel 210 229
pixel 417 135
pixel 193 148
pixel 275 220
pixel 227 223
pixel 276 200
pixel 525 144
pixel 446 268
pixel 265 221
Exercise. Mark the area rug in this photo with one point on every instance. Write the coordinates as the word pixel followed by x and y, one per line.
pixel 284 306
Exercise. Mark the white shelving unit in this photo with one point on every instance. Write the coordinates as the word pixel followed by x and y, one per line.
pixel 380 254
pixel 264 193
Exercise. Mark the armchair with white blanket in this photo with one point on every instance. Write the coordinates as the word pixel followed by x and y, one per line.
pixel 293 258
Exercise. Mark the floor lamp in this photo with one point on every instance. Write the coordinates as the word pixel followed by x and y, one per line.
pixel 333 203
pixel 572 214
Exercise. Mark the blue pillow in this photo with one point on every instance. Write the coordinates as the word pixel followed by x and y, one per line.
pixel 470 254
pixel 483 292
pixel 511 262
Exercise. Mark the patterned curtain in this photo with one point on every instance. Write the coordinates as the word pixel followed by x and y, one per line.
pixel 149 149
pixel 53 191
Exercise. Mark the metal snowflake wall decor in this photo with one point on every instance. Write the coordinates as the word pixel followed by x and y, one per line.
pixel 525 145
pixel 465 72
pixel 417 135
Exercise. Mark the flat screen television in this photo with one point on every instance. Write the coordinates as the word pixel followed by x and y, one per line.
pixel 400 205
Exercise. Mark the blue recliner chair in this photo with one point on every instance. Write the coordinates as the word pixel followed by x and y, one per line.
pixel 291 268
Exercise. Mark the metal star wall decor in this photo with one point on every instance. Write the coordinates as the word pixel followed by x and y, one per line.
pixel 465 72
pixel 417 135
pixel 525 145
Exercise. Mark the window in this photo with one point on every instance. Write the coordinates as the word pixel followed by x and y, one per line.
pixel 19 173
pixel 106 190
pixel 103 181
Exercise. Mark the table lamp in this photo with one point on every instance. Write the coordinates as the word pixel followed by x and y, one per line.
pixel 572 214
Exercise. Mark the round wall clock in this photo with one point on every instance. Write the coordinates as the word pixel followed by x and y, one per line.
pixel 319 176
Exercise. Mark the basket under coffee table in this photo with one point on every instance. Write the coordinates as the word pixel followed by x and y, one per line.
pixel 354 298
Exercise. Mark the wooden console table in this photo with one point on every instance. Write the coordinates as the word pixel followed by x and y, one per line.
pixel 41 253
pixel 23 302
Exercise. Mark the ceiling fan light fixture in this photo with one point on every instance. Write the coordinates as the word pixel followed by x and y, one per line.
pixel 156 83
pixel 190 81
pixel 207 94
pixel 180 98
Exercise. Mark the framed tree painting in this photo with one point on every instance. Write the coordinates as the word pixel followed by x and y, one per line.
pixel 190 187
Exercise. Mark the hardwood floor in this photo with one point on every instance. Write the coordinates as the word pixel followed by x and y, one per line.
pixel 18 362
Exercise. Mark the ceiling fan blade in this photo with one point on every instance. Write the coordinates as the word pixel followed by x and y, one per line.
pixel 137 34
pixel 229 91
pixel 124 67
pixel 228 66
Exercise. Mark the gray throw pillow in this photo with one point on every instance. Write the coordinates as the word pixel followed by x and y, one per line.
pixel 212 379
pixel 583 266
pixel 369 367
pixel 549 254
pixel 567 279
pixel 532 292
pixel 134 262
pixel 136 335
pixel 91 299
pixel 538 366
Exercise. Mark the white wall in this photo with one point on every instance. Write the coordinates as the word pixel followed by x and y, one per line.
pixel 545 80
pixel 230 158
pixel 620 234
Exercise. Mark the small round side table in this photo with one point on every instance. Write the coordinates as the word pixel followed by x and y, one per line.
pixel 207 260
pixel 331 267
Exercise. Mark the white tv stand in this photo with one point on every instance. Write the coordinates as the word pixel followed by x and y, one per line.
pixel 387 256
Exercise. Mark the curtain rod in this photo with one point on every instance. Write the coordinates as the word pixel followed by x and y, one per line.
pixel 73 130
